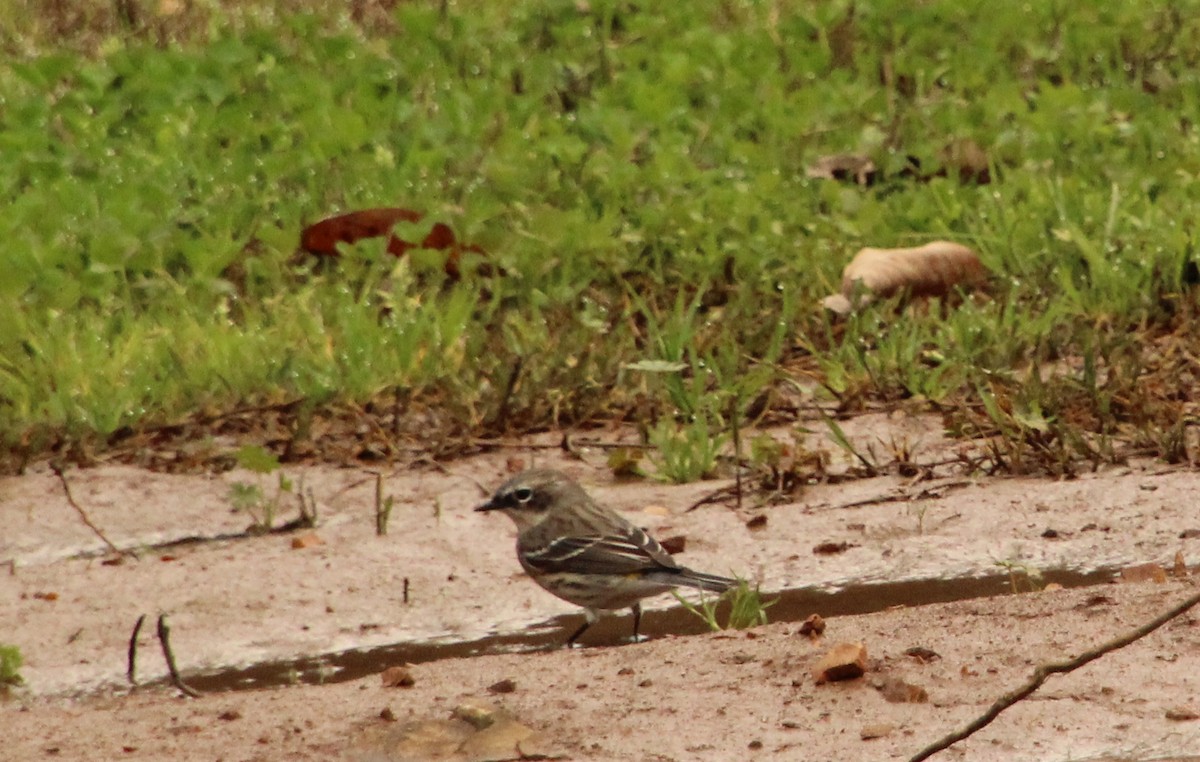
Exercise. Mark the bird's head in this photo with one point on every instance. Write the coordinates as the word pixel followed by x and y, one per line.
pixel 529 496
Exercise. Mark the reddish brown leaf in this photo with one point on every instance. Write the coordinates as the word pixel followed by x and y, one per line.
pixel 324 236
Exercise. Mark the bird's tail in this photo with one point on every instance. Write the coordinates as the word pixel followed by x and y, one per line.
pixel 711 582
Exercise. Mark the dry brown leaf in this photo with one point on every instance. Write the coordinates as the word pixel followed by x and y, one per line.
pixel 969 159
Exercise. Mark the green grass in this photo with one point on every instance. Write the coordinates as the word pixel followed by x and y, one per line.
pixel 10 669
pixel 746 608
pixel 640 179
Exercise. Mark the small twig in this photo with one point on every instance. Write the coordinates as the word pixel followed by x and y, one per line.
pixel 737 448
pixel 164 638
pixel 406 590
pixel 131 669
pixel 715 496
pixel 514 375
pixel 307 505
pixel 312 501
pixel 383 507
pixel 929 493
pixel 1045 670
pixel 569 447
pixel 399 396
pixel 575 444
pixel 58 471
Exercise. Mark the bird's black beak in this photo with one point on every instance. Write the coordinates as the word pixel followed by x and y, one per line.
pixel 490 505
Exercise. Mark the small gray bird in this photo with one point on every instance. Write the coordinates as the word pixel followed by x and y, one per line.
pixel 585 553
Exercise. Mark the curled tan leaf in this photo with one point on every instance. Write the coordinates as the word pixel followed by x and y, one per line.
pixel 930 270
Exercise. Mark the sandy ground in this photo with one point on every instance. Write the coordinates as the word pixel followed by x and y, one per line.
pixel 237 600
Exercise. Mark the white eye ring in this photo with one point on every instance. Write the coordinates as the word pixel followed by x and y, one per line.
pixel 523 495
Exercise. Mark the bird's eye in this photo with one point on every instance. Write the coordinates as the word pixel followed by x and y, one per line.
pixel 523 495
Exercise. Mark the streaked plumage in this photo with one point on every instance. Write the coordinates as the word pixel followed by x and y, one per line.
pixel 585 553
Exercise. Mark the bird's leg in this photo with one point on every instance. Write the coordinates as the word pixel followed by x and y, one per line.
pixel 637 622
pixel 590 619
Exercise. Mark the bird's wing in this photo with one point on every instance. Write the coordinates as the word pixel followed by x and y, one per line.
pixel 630 551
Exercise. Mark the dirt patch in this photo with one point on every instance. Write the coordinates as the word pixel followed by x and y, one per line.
pixel 242 600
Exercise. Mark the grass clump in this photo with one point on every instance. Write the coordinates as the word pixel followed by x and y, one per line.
pixel 746 608
pixel 10 668
pixel 638 181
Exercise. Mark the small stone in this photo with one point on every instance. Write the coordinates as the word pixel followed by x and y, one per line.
pixel 757 522
pixel 831 548
pixel 922 654
pixel 1150 572
pixel 897 691
pixel 1189 534
pixel 646 683
pixel 625 671
pixel 1051 587
pixel 478 716
pixel 1182 714
pixel 307 540
pixel 755 744
pixel 387 715
pixel 813 627
pixel 1179 570
pixel 229 715
pixel 876 730
pixel 1050 534
pixel 397 677
pixel 502 686
pixel 845 661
